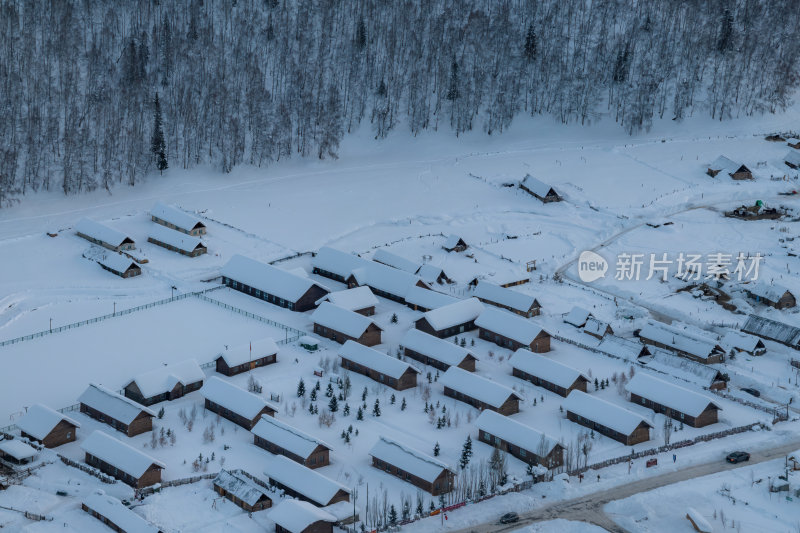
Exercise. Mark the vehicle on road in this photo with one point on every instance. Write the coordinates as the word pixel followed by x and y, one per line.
pixel 509 518
pixel 752 392
pixel 737 457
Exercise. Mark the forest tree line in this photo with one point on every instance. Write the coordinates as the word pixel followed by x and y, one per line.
pixel 257 81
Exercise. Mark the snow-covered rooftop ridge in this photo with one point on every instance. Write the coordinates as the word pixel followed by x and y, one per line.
pixel 474 386
pixel 296 515
pixel 393 260
pixel 101 232
pixel 351 299
pixel 240 486
pixel 336 261
pixel 628 349
pixel 516 433
pixel 233 398
pixel 603 412
pixel 428 299
pixel 740 341
pixel 686 369
pixel 267 278
pixel 40 420
pixel 179 240
pixel 503 296
pixel 116 261
pixel 114 510
pixel 669 394
pixel 164 378
pixel 371 358
pixel 287 437
pixel 445 351
pixel 385 278
pixel 536 186
pixel 112 403
pixel 342 320
pixel 17 449
pixel 723 163
pixel 772 329
pixel 577 316
pixel 119 454
pixel 452 241
pixel 453 314
pixel 545 368
pixel 772 292
pixel 408 459
pixel 679 339
pixel 595 326
pixel 301 479
pixel 699 521
pixel 175 216
pixel 792 157
pixel 508 325
pixel 244 353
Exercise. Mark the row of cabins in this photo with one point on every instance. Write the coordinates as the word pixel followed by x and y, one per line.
pixel 773 330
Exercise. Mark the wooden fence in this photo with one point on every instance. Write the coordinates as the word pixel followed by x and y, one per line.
pixel 28 514
pixel 147 491
pixel 88 469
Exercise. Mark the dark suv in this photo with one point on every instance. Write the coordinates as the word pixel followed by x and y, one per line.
pixel 737 457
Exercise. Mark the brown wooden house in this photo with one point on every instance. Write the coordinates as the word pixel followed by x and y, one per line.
pixel 424 299
pixel 243 490
pixel 166 383
pixel 452 319
pixel 48 427
pixel 454 243
pixel 115 515
pixel 341 325
pixel 607 418
pixel 539 189
pixel 282 439
pixel 120 264
pixel 176 241
pixel 412 466
pixel 519 440
pixel 103 235
pixel 377 366
pixel 359 300
pixel 546 373
pixel 596 328
pixel 674 401
pixel 678 341
pixel 297 516
pixel 114 409
pixel 511 331
pixel 237 405
pixel 518 303
pixel 246 357
pixel 177 219
pixel 775 296
pixel 304 483
pixel 436 352
pixel 479 392
pixel 121 461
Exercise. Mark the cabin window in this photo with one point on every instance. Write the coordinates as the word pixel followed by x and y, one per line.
pixel 681 416
pixel 487 437
pixel 69 434
pixel 642 401
pixel 522 452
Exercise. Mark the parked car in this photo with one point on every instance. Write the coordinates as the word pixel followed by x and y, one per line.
pixel 737 457
pixel 509 518
pixel 752 392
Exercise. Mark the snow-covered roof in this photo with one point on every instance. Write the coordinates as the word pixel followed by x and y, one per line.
pixel 536 186
pixel 341 510
pixel 627 349
pixel 669 395
pixel 334 317
pixel 175 216
pixel 244 353
pixel 164 378
pixel 117 262
pixel 428 299
pixel 699 521
pixel 595 327
pixel 336 261
pixel 508 325
pixel 351 299
pixel 577 317
pixel 241 486
pixel 516 433
pixel 296 515
pixel 175 238
pixel 408 459
pixel 439 349
pixel 686 369
pixel 603 412
pixel 740 341
pixel 370 358
pixel 773 292
pixel 112 404
pixel 119 454
pixel 679 340
pixel 116 512
pixel 545 368
pixel 393 260
pixel 453 314
pixel 17 449
pixel 287 437
pixel 792 157
pixel 385 278
pixel 507 297
pixel 772 329
pixel 268 278
pixel 40 420
pixel 723 163
pixel 429 273
pixel 474 386
pixel 101 232
pixel 452 241
pixel 301 479
pixel 233 398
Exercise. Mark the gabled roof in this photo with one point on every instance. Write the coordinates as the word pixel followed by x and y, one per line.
pixel 430 273
pixel 508 325
pixel 577 317
pixel 439 349
pixel 350 323
pixel 740 341
pixel 301 479
pixel 244 353
pixel 240 486
pixel 287 437
pixel 336 261
pixel 233 398
pixel 628 349
pixel 268 278
pixel 17 449
pixel 516 433
pixel 385 278
pixel 351 299
pixel 114 510
pixel 119 454
pixel 179 240
pixel 680 340
pixel 452 241
pixel 669 395
pixel 595 326
pixel 408 459
pixel 545 368
pixel 117 262
pixel 453 314
pixel 112 404
pixel 428 299
pixel 773 292
pixel 537 187
pixel 772 329
pixel 603 412
pixel 370 358
pixel 40 420
pixel 686 369
pixel 175 216
pixel 474 386
pixel 296 515
pixel 101 232
pixel 395 261
pixel 164 378
pixel 500 295
pixel 793 158
pixel 723 163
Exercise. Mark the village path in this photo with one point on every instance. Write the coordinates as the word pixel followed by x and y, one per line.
pixel 589 508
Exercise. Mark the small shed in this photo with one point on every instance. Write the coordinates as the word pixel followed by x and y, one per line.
pixel 47 426
pixel 577 317
pixel 698 521
pixel 245 357
pixel 454 243
pixel 295 516
pixel 17 452
pixel 120 265
pixel 792 160
pixel 738 342
pixel 596 328
pixel 174 218
pixel 794 142
pixel 539 189
pixel 239 488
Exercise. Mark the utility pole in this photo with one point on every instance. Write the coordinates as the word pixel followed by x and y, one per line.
pixel 51 325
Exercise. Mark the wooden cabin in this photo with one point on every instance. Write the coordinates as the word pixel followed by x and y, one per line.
pixel 674 401
pixel 17 452
pixel 359 300
pixel 335 264
pixel 166 383
pixel 384 281
pixel 454 243
pixel 120 265
pixel 115 515
pixel 547 373
pixel 301 482
pixel 47 426
pixel 114 409
pixel 737 342
pixel 103 235
pixel 773 330
pixel 297 516
pixel 521 304
pixel 518 440
pixel 723 165
pixel 479 392
pixel 282 439
pixel 412 466
pixel 775 296
pixel 423 299
pixel 377 366
pixel 171 217
pixel 246 357
pixel 539 190
pixel 436 352
pixel 241 407
pixel 452 319
pixel 511 331
pixel 792 160
pixel 242 489
pixel 121 461
pixel 596 328
pixel 176 241
pixel 607 418
pixel 678 341
pixel 341 325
